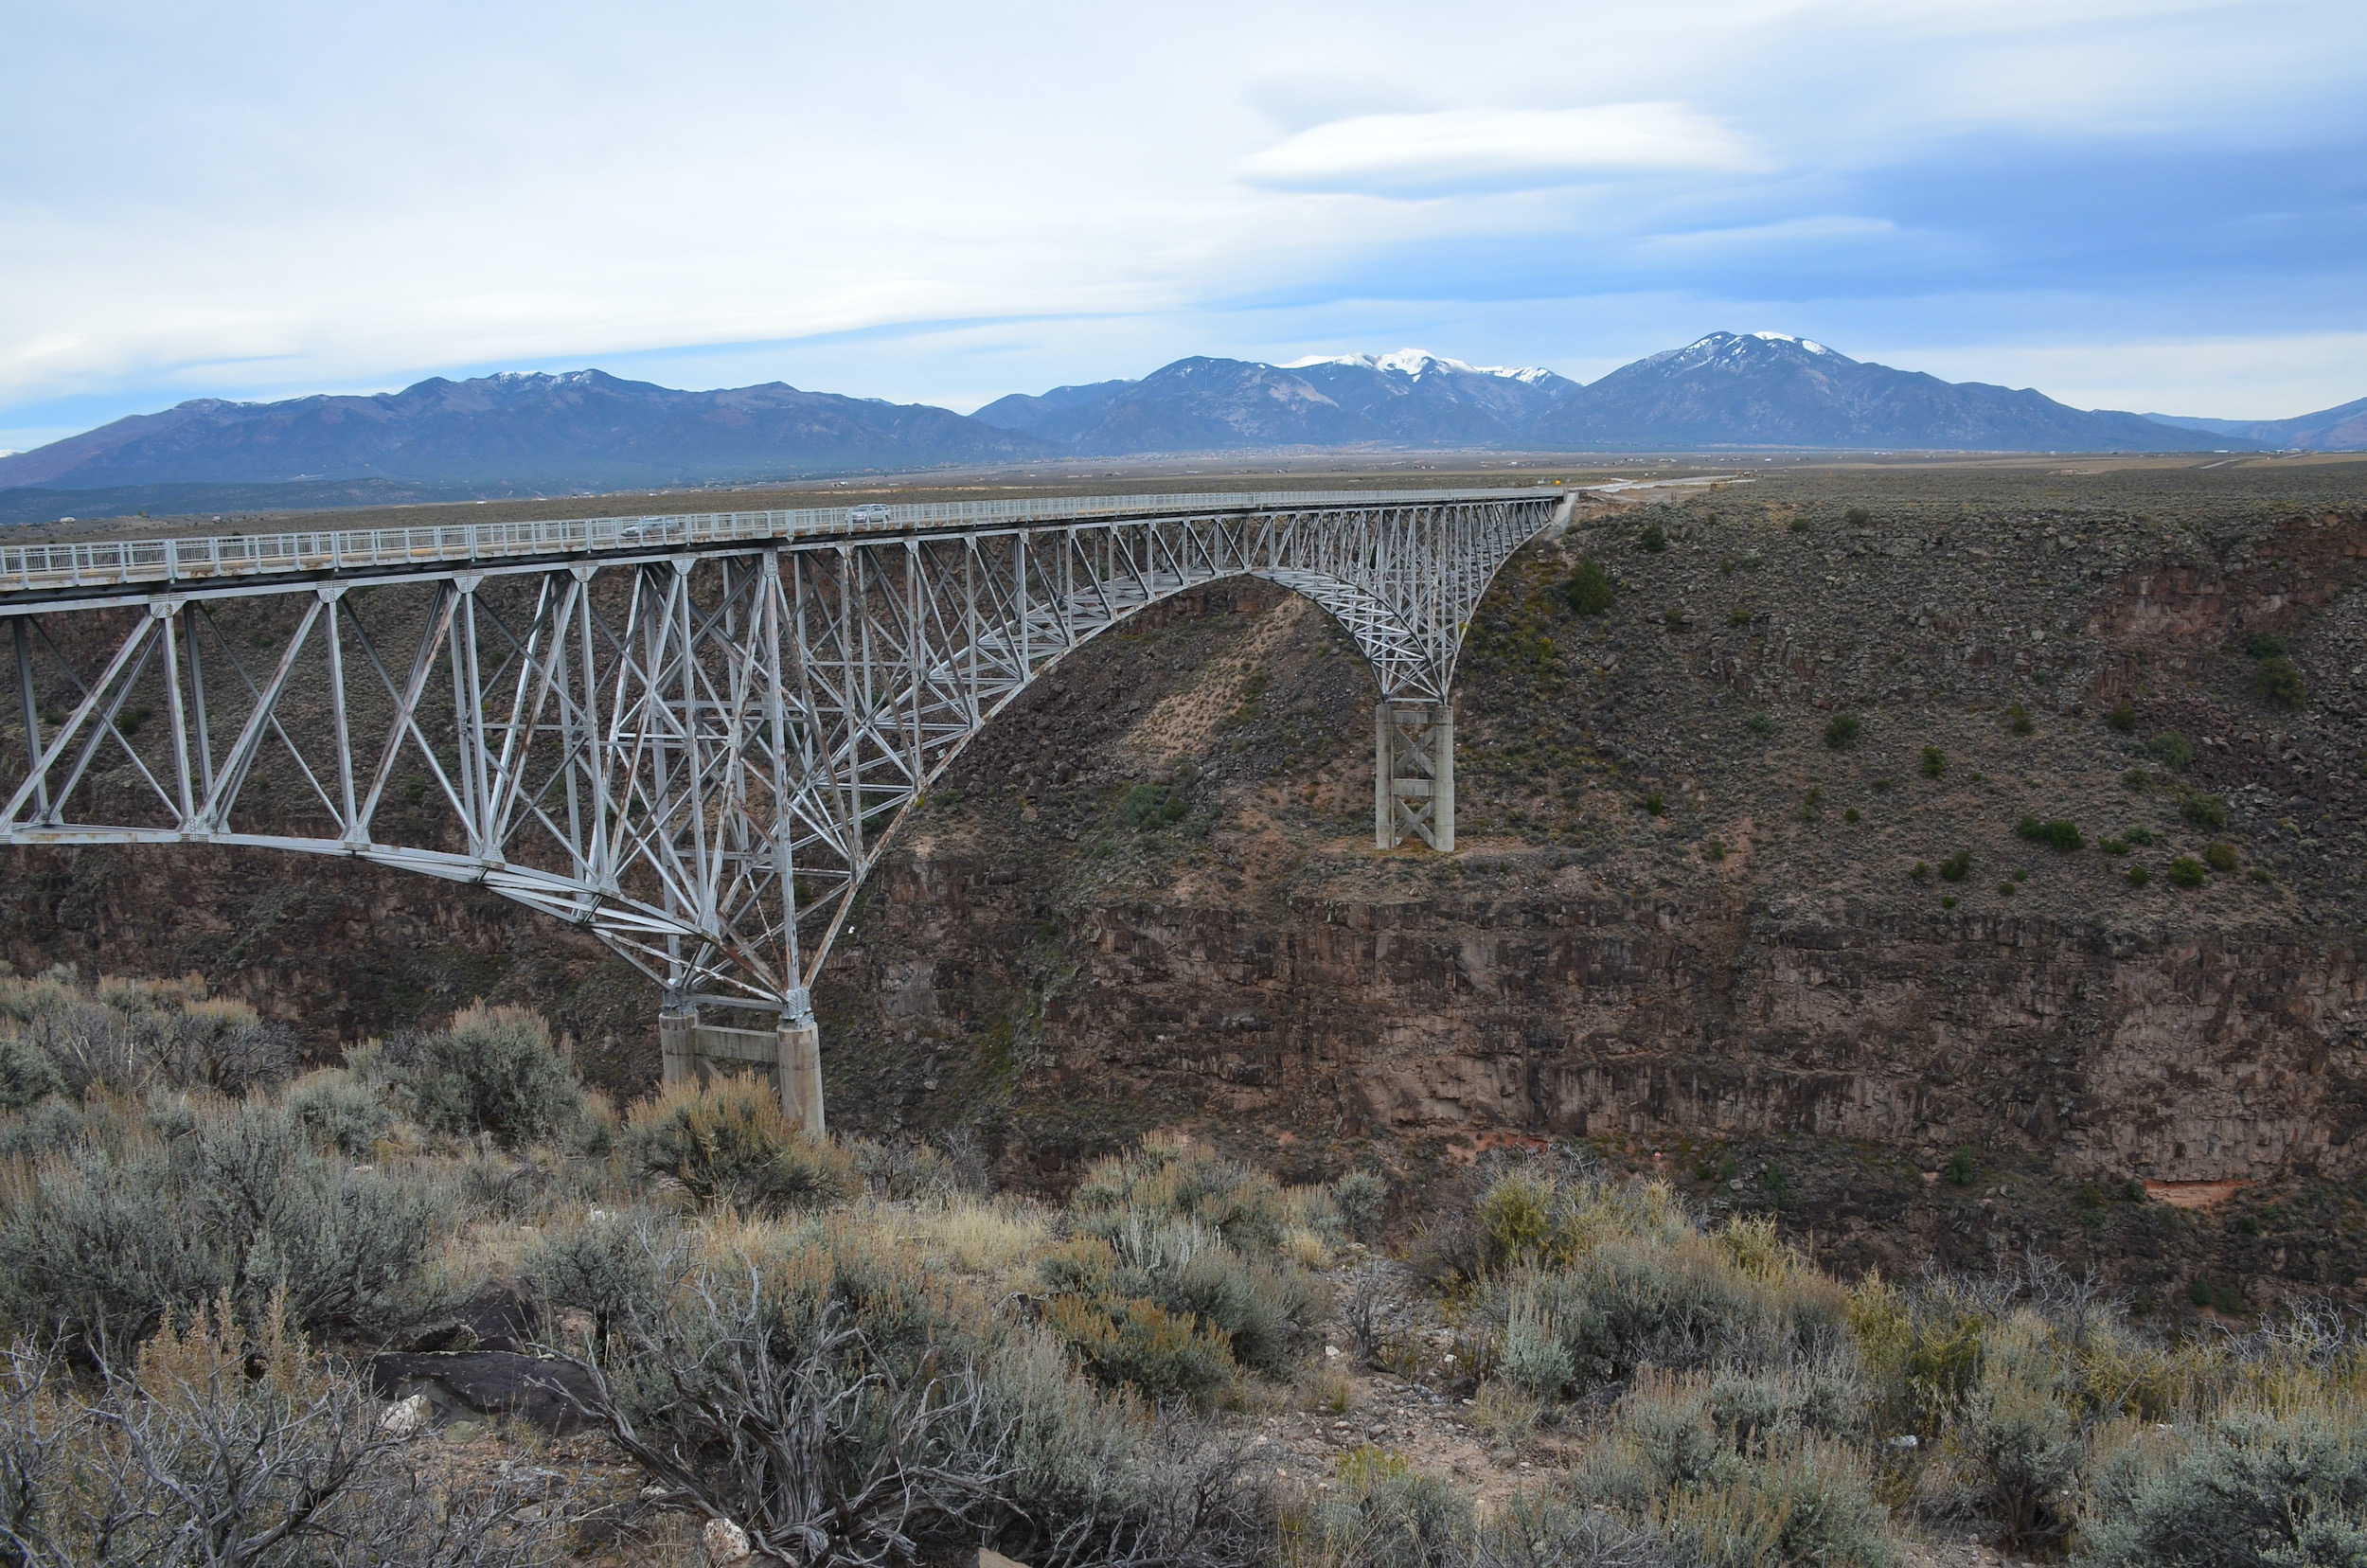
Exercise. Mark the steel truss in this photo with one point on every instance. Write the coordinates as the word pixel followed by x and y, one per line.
pixel 698 752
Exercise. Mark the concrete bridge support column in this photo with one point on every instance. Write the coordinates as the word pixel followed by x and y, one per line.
pixel 677 1041
pixel 1414 772
pixel 798 1069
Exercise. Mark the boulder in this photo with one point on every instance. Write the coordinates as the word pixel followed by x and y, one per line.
pixel 487 1384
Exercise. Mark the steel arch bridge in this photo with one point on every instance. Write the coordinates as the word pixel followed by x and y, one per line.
pixel 692 735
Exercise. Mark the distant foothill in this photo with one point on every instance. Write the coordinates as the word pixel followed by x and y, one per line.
pixel 586 428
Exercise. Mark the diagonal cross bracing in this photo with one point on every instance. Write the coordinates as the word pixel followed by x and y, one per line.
pixel 694 736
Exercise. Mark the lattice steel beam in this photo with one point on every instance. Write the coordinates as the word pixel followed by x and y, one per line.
pixel 697 751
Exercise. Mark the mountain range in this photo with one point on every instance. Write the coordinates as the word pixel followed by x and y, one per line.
pixel 583 427
pixel 588 428
pixel 2342 428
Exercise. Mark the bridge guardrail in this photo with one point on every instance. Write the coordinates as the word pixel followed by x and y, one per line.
pixel 202 559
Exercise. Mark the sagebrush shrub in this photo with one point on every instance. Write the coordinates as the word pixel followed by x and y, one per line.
pixel 1385 1511
pixel 222 1441
pixel 1169 1175
pixel 492 1070
pixel 1363 1200
pixel 1138 1343
pixel 28 1075
pixel 727 1141
pixel 1264 1311
pixel 336 1109
pixel 2245 1489
pixel 616 1269
pixel 110 1238
pixel 842 1402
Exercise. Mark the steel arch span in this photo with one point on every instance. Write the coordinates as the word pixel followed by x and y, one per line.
pixel 691 735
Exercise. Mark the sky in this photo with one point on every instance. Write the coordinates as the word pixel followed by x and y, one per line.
pixel 2126 203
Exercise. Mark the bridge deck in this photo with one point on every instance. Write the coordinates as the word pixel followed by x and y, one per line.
pixel 32 571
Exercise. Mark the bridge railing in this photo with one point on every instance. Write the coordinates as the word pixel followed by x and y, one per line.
pixel 105 562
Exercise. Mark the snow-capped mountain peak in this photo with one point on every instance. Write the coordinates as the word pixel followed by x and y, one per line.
pixel 1418 361
pixel 1809 344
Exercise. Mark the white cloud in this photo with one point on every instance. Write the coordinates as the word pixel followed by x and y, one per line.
pixel 2267 377
pixel 1497 149
pixel 971 198
pixel 1829 229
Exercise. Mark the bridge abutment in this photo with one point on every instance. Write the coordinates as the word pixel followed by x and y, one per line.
pixel 1414 772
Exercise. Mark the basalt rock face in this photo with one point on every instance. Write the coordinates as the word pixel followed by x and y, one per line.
pixel 1339 1015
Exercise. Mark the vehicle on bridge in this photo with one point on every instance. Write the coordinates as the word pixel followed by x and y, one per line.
pixel 871 512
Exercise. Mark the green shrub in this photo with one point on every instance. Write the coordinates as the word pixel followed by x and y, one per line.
pixel 1798 526
pixel 1738 615
pixel 1957 866
pixel 1386 1512
pixel 1683 1302
pixel 2280 681
pixel 2220 857
pixel 2139 875
pixel 2203 811
pixel 1259 1312
pixel 1761 726
pixel 1531 1355
pixel 2265 645
pixel 1139 1344
pixel 2124 716
pixel 2186 871
pixel 2172 750
pixel 1589 590
pixel 1961 1168
pixel 616 1269
pixel 2017 719
pixel 2010 1460
pixel 1654 538
pixel 2140 836
pixel 1147 808
pixel 1842 733
pixel 493 1070
pixel 237 1201
pixel 1653 804
pixel 902 1169
pixel 1790 1500
pixel 852 1399
pixel 727 1141
pixel 28 1075
pixel 223 1441
pixel 2057 835
pixel 2242 1491
pixel 333 1107
pixel 1934 762
pixel 1856 517
pixel 1175 1177
pixel 1362 1199
pixel 2112 847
